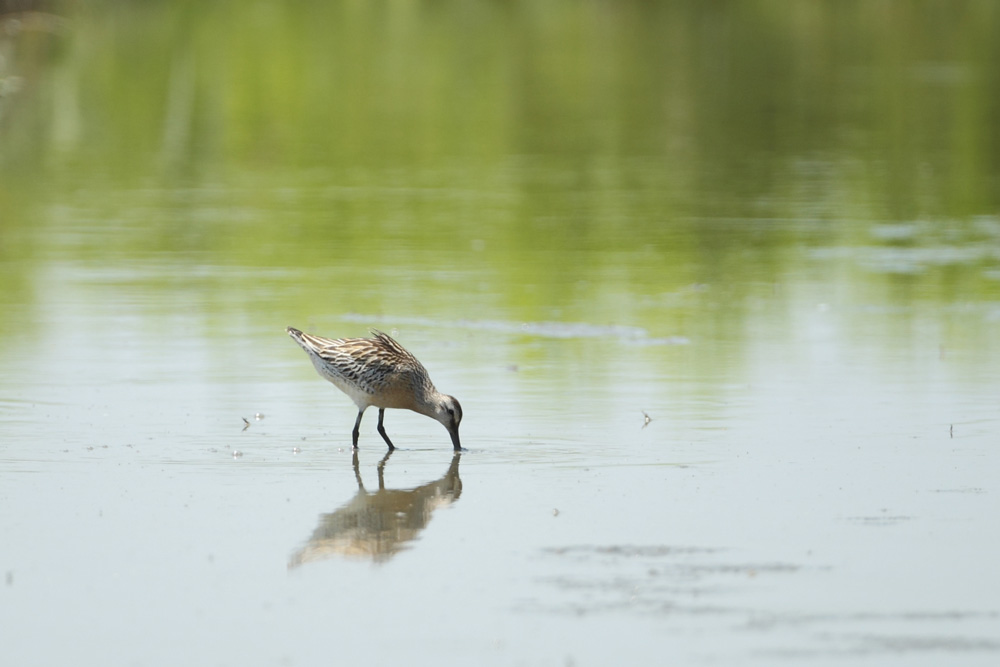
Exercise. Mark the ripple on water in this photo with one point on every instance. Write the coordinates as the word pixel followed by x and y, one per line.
pixel 711 585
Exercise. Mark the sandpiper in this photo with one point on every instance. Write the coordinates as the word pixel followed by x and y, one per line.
pixel 379 371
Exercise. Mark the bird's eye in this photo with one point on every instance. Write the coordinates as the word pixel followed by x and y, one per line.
pixel 451 412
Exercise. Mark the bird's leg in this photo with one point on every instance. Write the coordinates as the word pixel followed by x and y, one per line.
pixel 357 428
pixel 381 429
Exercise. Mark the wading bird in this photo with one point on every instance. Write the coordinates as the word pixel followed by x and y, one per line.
pixel 380 372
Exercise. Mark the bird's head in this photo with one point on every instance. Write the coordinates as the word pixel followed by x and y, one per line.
pixel 448 411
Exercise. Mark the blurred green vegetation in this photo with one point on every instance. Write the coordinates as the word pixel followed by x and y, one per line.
pixel 529 160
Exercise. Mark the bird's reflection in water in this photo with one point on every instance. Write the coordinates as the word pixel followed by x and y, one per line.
pixel 378 525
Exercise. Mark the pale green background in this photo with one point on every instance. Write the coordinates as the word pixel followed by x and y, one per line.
pixel 772 226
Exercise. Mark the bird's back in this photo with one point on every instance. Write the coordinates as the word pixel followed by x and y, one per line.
pixel 372 371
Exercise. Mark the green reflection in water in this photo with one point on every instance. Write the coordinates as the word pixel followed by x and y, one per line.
pixel 659 165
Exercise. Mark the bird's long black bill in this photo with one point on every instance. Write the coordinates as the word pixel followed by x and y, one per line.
pixel 454 439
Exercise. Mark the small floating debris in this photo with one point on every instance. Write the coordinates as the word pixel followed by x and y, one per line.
pixel 246 424
pixel 555 512
pixel 237 454
pixel 258 416
pixel 646 419
pixel 296 450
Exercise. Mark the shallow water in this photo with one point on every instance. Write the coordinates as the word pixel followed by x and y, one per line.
pixel 822 499
pixel 730 394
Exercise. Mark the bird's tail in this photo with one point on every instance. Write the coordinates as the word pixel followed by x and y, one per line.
pixel 299 338
pixel 308 342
